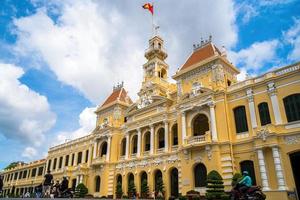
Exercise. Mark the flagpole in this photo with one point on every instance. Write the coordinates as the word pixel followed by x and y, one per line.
pixel 153 20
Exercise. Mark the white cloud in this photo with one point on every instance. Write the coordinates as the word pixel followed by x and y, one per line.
pixel 94 44
pixel 256 56
pixel 24 115
pixel 247 11
pixel 29 152
pixel 292 36
pixel 87 122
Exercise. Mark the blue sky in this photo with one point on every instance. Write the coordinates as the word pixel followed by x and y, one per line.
pixel 60 59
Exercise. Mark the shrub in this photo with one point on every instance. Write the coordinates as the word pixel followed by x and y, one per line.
pixel 81 190
pixel 182 198
pixel 160 186
pixel 119 191
pixel 131 189
pixel 144 189
pixel 215 187
pixel 236 178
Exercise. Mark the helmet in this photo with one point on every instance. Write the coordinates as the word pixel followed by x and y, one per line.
pixel 245 173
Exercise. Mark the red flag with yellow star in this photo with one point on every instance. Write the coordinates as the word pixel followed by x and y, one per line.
pixel 149 7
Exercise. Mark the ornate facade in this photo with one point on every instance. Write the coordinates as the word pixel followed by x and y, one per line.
pixel 179 132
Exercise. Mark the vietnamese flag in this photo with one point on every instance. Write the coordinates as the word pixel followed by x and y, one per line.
pixel 149 7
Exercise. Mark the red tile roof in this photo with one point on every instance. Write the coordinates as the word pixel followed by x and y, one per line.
pixel 207 51
pixel 118 94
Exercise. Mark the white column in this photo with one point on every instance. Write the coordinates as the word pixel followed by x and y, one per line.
pixel 89 156
pixel 63 162
pixel 95 149
pixel 274 100
pixel 262 169
pixel 183 126
pixel 251 108
pixel 80 178
pixel 151 139
pixel 75 159
pixel 77 180
pixel 139 142
pixel 278 169
pixel 214 133
pixel 127 146
pixel 166 136
pixel 70 160
pixel 108 149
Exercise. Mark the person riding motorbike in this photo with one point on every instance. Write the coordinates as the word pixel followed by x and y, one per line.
pixel 245 183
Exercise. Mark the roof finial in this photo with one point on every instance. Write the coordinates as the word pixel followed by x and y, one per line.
pixel 118 86
pixel 210 38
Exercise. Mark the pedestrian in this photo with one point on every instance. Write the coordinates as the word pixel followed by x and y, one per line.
pixel 48 178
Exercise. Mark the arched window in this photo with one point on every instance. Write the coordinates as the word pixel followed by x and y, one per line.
pixel 264 113
pixel 123 147
pixel 134 145
pixel 200 175
pixel 147 141
pixel 240 119
pixel 161 138
pixel 174 182
pixel 97 183
pixel 292 107
pixel 248 166
pixel 157 179
pixel 175 134
pixel 103 149
pixel 200 125
pixel 143 178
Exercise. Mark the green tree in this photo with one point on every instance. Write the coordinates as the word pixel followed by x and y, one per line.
pixel 81 190
pixel 215 186
pixel 119 191
pixel 144 189
pixel 13 165
pixel 159 189
pixel 131 189
pixel 236 178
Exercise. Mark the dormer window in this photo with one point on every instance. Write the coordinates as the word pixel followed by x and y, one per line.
pixel 159 45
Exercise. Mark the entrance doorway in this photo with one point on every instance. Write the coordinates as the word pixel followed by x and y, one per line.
pixel 174 182
pixel 295 163
pixel 73 184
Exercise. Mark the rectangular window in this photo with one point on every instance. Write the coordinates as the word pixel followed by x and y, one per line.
pixel 73 158
pixel 240 119
pixel 25 174
pixel 33 172
pixel 40 172
pixel 86 156
pixel 16 176
pixel 49 166
pixel 264 113
pixel 79 158
pixel 20 174
pixel 67 160
pixel 60 163
pixel 54 163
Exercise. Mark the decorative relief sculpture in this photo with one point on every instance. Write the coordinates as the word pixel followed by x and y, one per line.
pixel 292 139
pixel 263 133
pixel 145 100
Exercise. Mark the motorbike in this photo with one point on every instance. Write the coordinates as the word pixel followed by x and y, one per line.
pixel 68 193
pixel 252 193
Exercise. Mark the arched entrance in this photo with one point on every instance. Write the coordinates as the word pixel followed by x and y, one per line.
pixel 200 125
pixel 130 185
pixel 200 175
pixel 157 180
pixel 248 166
pixel 295 164
pixel 174 182
pixel 144 180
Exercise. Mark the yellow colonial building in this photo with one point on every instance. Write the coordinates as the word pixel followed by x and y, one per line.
pixel 180 132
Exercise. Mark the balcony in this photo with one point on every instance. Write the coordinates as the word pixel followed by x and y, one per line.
pixel 133 156
pixel 122 157
pixel 160 151
pixel 99 160
pixel 146 153
pixel 199 139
